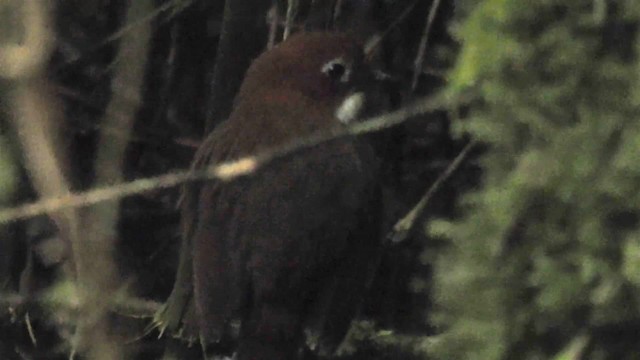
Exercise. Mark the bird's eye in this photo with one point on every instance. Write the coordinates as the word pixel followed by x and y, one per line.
pixel 337 70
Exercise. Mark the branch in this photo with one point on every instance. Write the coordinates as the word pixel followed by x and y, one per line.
pixel 292 12
pixel 96 270
pixel 363 332
pixel 228 171
pixel 175 5
pixel 370 48
pixel 402 228
pixel 273 18
pixel 130 306
pixel 143 20
pixel 36 114
pixel 27 58
pixel 417 65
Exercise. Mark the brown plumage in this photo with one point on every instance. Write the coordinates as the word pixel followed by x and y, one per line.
pixel 287 250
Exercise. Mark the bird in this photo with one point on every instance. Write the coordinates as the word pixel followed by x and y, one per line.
pixel 287 252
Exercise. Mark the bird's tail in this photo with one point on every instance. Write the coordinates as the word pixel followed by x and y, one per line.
pixel 271 332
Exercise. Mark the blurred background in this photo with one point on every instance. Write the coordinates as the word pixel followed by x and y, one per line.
pixel 529 250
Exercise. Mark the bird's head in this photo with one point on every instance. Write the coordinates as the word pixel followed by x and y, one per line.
pixel 311 81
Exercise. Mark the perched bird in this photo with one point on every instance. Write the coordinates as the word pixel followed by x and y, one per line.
pixel 286 252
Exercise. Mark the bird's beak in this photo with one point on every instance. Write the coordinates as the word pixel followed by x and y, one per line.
pixel 381 76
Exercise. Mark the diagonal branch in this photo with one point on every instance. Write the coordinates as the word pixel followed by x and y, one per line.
pixel 292 12
pixel 403 227
pixel 417 65
pixel 372 46
pixel 228 171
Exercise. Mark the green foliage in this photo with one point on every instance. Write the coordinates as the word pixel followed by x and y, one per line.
pixel 549 248
pixel 365 339
pixel 483 36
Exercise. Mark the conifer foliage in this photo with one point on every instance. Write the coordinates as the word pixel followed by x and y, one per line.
pixel 544 261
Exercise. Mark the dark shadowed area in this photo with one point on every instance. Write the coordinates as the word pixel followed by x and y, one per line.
pixel 504 194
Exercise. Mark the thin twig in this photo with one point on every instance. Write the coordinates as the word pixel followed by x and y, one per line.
pixel 292 12
pixel 32 334
pixel 130 307
pixel 228 171
pixel 378 40
pixel 274 19
pixel 417 65
pixel 134 24
pixel 128 28
pixel 402 228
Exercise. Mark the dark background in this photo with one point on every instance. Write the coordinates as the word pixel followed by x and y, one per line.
pixel 180 98
pixel 529 251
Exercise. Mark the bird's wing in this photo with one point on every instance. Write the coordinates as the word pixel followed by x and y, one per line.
pixel 341 297
pixel 178 316
pixel 277 239
pixel 344 288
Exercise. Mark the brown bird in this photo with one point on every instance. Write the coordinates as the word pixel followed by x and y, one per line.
pixel 286 252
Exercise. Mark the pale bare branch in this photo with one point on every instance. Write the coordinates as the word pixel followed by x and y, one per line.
pixel 292 12
pixel 273 17
pixel 126 306
pixel 36 119
pixel 27 58
pixel 229 170
pixel 143 20
pixel 36 115
pixel 97 275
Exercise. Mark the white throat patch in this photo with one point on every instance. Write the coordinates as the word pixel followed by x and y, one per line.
pixel 350 108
